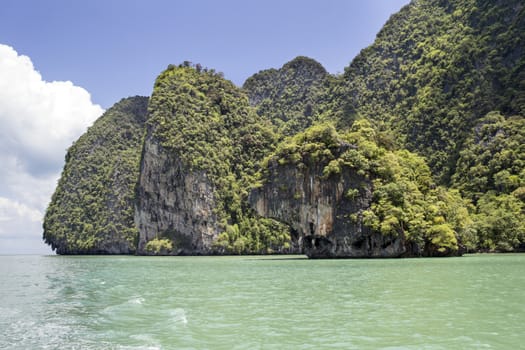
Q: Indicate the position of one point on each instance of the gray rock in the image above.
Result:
(327, 222)
(174, 201)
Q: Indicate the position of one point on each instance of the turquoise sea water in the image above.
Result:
(55, 302)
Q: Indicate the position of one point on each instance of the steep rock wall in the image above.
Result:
(174, 202)
(326, 222)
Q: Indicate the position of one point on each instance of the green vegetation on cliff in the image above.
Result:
(290, 96)
(208, 122)
(405, 200)
(491, 172)
(91, 211)
(434, 71)
(432, 115)
(435, 68)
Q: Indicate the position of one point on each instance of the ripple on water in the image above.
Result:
(137, 301)
(29, 333)
(178, 317)
(234, 303)
(129, 309)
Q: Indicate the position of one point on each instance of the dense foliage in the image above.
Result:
(434, 71)
(208, 123)
(432, 113)
(491, 172)
(434, 220)
(289, 96)
(435, 68)
(92, 208)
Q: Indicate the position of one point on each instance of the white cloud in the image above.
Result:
(10, 209)
(39, 121)
(20, 228)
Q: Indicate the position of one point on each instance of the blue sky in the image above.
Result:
(62, 62)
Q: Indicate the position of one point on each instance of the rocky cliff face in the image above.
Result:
(174, 202)
(346, 195)
(200, 154)
(91, 211)
(328, 155)
(320, 213)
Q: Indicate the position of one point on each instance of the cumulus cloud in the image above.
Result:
(39, 121)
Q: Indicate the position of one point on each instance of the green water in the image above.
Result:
(54, 302)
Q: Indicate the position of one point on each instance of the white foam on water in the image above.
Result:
(143, 337)
(7, 312)
(178, 316)
(117, 310)
(32, 334)
(147, 339)
(136, 300)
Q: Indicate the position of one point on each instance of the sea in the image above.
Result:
(268, 302)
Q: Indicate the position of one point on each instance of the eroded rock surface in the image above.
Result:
(326, 222)
(174, 202)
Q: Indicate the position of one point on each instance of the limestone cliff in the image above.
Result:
(174, 202)
(436, 68)
(201, 152)
(91, 211)
(319, 211)
(328, 155)
(346, 195)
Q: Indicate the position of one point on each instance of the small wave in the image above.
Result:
(136, 300)
(178, 316)
(125, 308)
(148, 341)
(31, 333)
(8, 312)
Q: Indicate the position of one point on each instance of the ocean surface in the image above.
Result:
(117, 302)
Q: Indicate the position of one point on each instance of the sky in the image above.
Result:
(63, 62)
